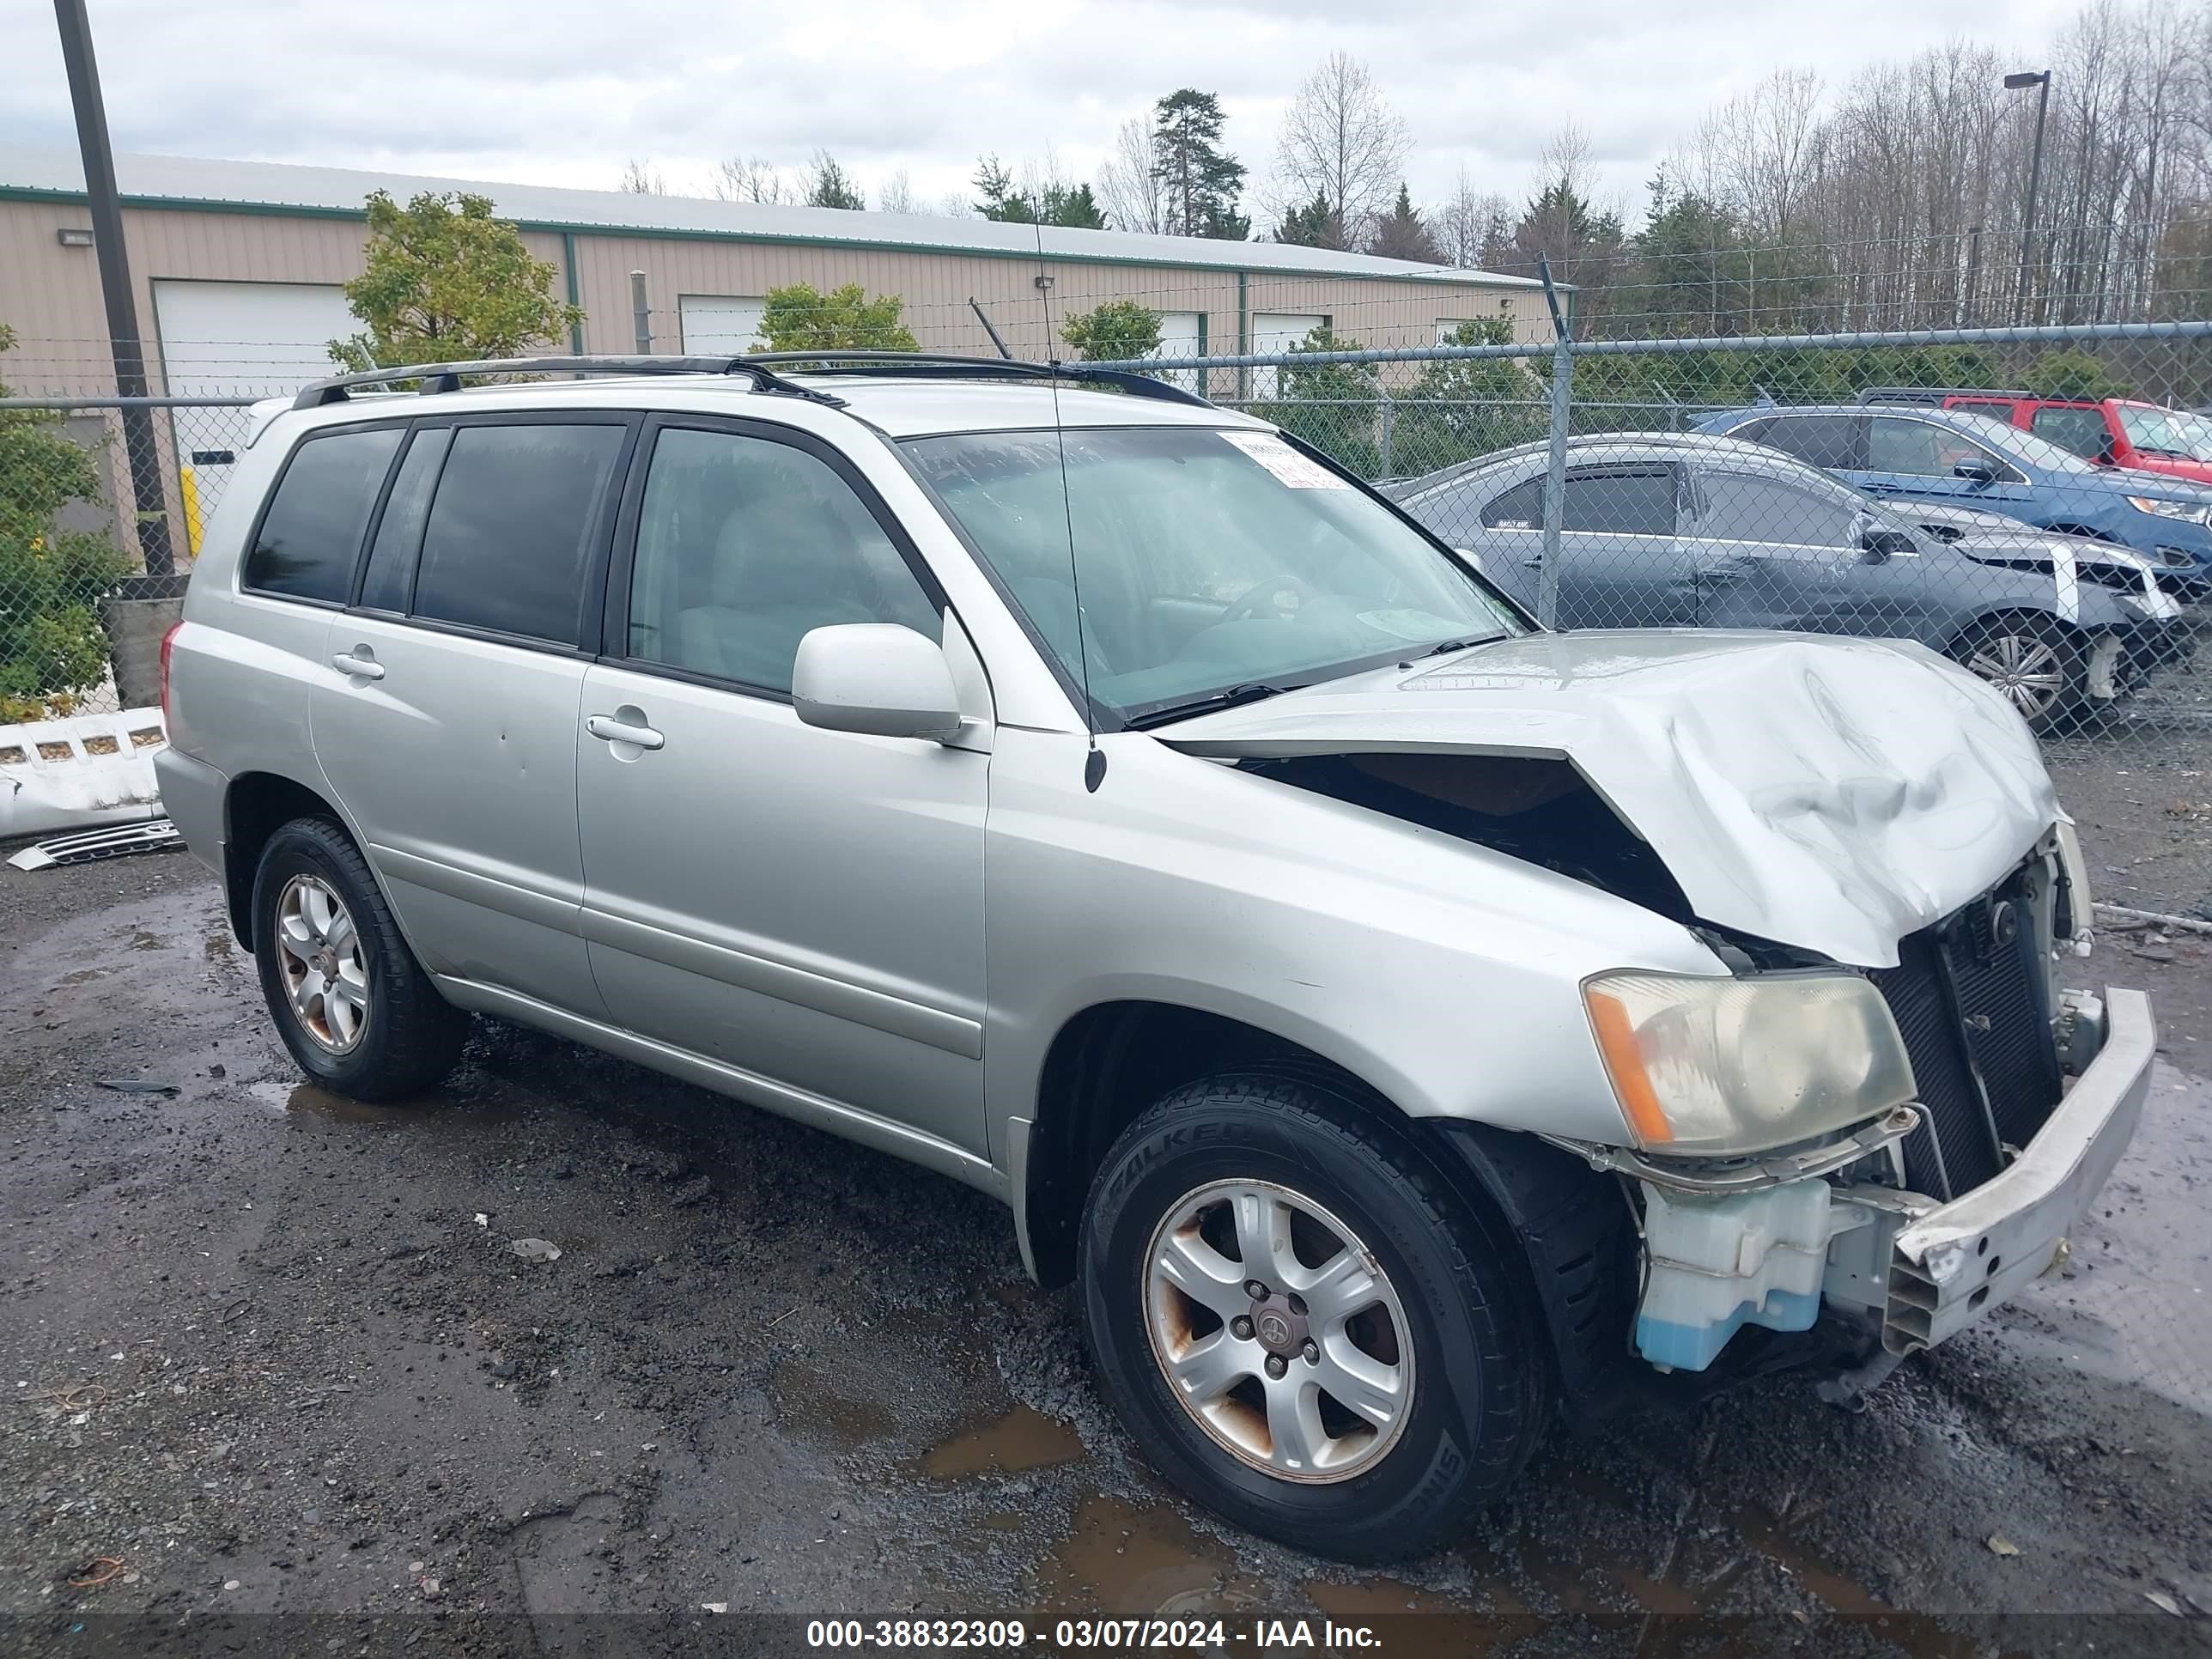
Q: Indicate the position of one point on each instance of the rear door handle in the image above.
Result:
(358, 665)
(619, 731)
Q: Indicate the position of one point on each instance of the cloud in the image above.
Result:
(563, 91)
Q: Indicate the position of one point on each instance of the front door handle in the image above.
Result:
(620, 731)
(358, 663)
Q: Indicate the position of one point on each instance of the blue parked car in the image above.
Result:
(1951, 458)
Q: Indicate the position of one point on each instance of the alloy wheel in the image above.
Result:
(1278, 1330)
(318, 958)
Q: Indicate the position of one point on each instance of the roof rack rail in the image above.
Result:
(1932, 394)
(953, 366)
(448, 377)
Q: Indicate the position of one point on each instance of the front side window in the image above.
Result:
(509, 535)
(1161, 565)
(311, 534)
(1920, 449)
(745, 545)
(1748, 507)
(2080, 431)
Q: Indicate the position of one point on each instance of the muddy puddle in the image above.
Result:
(1124, 1562)
(1023, 1438)
(309, 1102)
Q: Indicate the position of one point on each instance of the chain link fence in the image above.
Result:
(103, 503)
(2032, 502)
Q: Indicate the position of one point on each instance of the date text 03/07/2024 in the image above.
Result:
(1121, 1635)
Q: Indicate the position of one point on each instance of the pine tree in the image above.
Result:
(1401, 235)
(1199, 181)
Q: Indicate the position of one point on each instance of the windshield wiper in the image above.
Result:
(1234, 697)
(1449, 646)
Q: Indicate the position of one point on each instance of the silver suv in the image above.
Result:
(1404, 1025)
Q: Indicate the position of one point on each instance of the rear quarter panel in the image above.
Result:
(242, 666)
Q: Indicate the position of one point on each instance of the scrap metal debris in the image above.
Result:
(84, 846)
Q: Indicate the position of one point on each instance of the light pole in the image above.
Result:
(2020, 82)
(149, 494)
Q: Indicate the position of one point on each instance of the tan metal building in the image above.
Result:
(238, 266)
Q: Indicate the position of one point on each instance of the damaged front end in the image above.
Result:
(1913, 1224)
(1884, 1115)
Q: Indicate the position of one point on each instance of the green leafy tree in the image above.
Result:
(1335, 407)
(2074, 374)
(1468, 406)
(1055, 202)
(445, 281)
(1401, 234)
(51, 645)
(828, 185)
(1317, 224)
(1115, 331)
(800, 318)
(1199, 181)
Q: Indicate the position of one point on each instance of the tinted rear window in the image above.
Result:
(510, 534)
(1625, 503)
(310, 534)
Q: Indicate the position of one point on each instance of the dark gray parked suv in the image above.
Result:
(1687, 531)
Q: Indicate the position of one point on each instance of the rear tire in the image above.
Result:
(1423, 1327)
(350, 999)
(2036, 664)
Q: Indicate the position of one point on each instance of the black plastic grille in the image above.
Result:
(1992, 1015)
(1936, 1044)
(1998, 983)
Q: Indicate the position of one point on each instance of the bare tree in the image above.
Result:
(1341, 142)
(1129, 188)
(750, 179)
(642, 179)
(1468, 220)
(896, 195)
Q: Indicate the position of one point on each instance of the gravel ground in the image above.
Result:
(280, 1383)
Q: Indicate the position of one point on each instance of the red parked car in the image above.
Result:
(2110, 431)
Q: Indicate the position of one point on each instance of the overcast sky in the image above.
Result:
(563, 91)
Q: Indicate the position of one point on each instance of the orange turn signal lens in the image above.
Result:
(1623, 1061)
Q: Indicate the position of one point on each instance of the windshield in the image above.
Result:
(1210, 561)
(2166, 432)
(2020, 445)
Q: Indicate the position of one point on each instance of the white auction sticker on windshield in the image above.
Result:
(1288, 466)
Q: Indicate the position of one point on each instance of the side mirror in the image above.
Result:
(1975, 468)
(880, 679)
(1879, 546)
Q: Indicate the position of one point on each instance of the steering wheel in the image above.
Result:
(1266, 598)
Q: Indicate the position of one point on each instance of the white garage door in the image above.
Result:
(1277, 331)
(714, 324)
(1179, 337)
(246, 339)
(237, 340)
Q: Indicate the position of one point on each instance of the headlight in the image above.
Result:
(1705, 1066)
(2181, 510)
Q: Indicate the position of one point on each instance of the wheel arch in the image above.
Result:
(1573, 1225)
(255, 806)
(2001, 613)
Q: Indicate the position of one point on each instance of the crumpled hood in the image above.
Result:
(1833, 794)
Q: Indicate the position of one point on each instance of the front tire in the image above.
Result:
(350, 999)
(2037, 664)
(1385, 1388)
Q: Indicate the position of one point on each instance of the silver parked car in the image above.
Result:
(1405, 1026)
(1689, 531)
